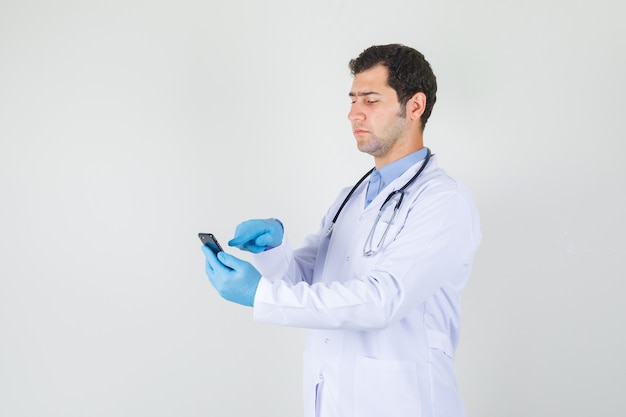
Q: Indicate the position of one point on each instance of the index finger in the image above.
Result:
(240, 240)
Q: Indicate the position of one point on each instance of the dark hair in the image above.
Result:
(409, 72)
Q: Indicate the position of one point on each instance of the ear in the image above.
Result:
(416, 106)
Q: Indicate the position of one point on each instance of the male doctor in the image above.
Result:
(379, 284)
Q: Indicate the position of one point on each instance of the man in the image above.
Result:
(379, 284)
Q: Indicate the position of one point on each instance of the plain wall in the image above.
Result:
(127, 127)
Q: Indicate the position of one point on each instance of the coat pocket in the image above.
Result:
(386, 388)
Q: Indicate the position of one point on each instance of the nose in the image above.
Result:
(356, 113)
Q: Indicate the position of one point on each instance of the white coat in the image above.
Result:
(384, 328)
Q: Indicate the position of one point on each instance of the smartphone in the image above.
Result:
(209, 240)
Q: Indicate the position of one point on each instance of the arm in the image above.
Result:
(435, 247)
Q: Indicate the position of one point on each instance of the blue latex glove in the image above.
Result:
(234, 279)
(258, 235)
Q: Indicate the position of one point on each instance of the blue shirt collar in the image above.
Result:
(391, 171)
(380, 178)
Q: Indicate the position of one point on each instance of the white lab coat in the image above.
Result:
(383, 329)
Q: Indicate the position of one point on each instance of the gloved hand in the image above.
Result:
(258, 235)
(234, 279)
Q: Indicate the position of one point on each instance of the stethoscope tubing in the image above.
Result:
(389, 197)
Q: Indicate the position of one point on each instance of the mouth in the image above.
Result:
(359, 131)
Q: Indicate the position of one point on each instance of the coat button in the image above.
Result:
(326, 340)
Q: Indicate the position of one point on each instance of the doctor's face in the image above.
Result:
(378, 122)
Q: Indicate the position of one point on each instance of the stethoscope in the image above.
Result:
(394, 198)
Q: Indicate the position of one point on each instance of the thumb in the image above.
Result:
(264, 240)
(229, 260)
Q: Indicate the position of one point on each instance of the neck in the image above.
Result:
(396, 153)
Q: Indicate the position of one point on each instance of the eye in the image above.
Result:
(372, 101)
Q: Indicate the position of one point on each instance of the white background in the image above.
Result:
(127, 127)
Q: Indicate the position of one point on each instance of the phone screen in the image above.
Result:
(211, 242)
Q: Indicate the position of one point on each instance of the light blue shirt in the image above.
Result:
(381, 177)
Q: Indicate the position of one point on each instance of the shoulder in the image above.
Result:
(437, 186)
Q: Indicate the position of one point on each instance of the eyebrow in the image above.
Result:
(364, 93)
